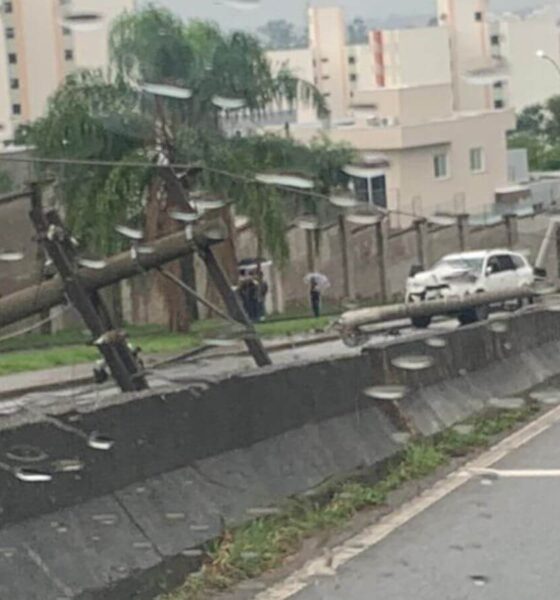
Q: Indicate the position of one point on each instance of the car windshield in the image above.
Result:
(474, 264)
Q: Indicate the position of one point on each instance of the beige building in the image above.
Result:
(516, 40)
(37, 51)
(404, 99)
(435, 160)
(91, 48)
(467, 25)
(416, 56)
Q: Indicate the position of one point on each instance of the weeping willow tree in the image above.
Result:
(115, 117)
(271, 210)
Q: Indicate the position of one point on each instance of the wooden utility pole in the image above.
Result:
(80, 286)
(233, 305)
(32, 300)
(113, 346)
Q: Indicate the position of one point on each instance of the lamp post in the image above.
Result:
(544, 56)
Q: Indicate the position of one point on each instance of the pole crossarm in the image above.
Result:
(34, 299)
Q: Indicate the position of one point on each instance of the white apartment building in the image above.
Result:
(37, 51)
(516, 40)
(406, 99)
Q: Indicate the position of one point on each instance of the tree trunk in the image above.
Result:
(188, 275)
(158, 224)
(116, 306)
(226, 256)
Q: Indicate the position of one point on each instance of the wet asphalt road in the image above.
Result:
(484, 541)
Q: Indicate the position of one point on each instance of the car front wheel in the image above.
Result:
(421, 322)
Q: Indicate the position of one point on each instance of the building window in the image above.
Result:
(353, 77)
(352, 60)
(495, 40)
(478, 16)
(499, 85)
(326, 77)
(498, 104)
(12, 58)
(10, 33)
(16, 109)
(8, 8)
(324, 60)
(441, 167)
(477, 160)
(66, 31)
(327, 95)
(68, 55)
(14, 84)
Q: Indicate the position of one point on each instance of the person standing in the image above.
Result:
(244, 293)
(315, 296)
(262, 290)
(252, 298)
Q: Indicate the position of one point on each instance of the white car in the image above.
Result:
(459, 275)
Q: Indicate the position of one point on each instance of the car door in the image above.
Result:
(500, 273)
(524, 271)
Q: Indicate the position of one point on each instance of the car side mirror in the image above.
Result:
(540, 272)
(415, 269)
(489, 271)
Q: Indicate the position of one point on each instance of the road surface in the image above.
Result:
(488, 539)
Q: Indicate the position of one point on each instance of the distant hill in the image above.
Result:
(400, 21)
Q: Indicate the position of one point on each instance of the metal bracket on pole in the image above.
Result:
(233, 305)
(112, 344)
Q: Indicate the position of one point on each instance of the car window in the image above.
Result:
(493, 264)
(518, 261)
(505, 262)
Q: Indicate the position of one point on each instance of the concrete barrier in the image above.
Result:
(120, 523)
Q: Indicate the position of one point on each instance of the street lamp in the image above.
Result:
(544, 56)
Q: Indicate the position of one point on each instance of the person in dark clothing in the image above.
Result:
(244, 285)
(262, 292)
(315, 297)
(252, 299)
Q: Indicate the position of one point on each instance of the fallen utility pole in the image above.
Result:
(34, 299)
(56, 241)
(46, 295)
(233, 306)
(350, 322)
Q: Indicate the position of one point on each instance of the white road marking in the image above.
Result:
(374, 534)
(518, 473)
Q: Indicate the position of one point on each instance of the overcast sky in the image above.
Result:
(294, 10)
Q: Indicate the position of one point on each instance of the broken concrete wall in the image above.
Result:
(122, 523)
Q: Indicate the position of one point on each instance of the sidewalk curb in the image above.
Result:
(45, 387)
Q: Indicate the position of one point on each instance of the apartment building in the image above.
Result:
(37, 51)
(516, 40)
(421, 100)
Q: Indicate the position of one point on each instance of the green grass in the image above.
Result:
(263, 544)
(20, 362)
(34, 352)
(293, 327)
(58, 356)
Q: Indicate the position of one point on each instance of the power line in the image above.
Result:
(183, 166)
(36, 325)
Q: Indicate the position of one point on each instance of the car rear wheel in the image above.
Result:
(421, 322)
(473, 315)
